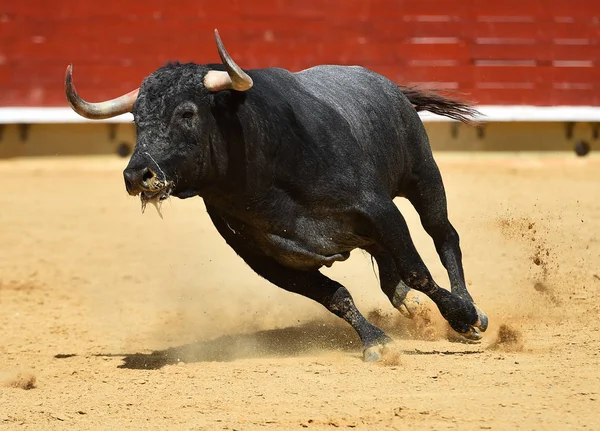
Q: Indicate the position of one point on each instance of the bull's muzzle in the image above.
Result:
(138, 180)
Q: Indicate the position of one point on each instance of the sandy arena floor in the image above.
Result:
(111, 319)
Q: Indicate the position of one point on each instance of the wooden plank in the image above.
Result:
(512, 30)
(508, 96)
(574, 8)
(423, 29)
(538, 53)
(282, 29)
(571, 74)
(540, 77)
(540, 9)
(575, 97)
(424, 8)
(359, 10)
(84, 76)
(511, 8)
(459, 52)
(507, 52)
(352, 52)
(62, 46)
(115, 29)
(461, 75)
(544, 31)
(508, 75)
(387, 29)
(577, 29)
(66, 9)
(294, 55)
(279, 9)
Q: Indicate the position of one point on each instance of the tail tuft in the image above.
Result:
(433, 101)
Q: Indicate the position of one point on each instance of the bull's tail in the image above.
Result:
(433, 101)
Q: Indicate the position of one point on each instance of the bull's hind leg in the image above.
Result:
(390, 233)
(312, 284)
(428, 197)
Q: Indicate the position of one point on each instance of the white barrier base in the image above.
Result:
(491, 113)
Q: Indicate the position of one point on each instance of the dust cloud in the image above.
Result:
(508, 339)
(18, 379)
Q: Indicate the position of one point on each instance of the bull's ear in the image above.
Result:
(216, 80)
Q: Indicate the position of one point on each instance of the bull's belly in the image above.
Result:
(305, 242)
(295, 253)
(310, 243)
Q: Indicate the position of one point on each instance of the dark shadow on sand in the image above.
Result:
(302, 340)
(286, 342)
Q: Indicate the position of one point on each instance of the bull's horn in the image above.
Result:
(234, 79)
(101, 110)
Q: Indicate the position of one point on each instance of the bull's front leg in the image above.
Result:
(329, 293)
(309, 283)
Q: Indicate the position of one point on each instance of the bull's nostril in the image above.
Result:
(129, 179)
(129, 182)
(147, 175)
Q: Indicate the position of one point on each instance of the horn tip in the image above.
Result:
(69, 74)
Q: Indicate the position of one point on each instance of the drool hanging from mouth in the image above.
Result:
(156, 198)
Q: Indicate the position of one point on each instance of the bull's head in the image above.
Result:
(172, 114)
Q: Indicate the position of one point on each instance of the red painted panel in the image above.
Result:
(550, 48)
(572, 8)
(462, 75)
(422, 8)
(512, 8)
(543, 54)
(539, 31)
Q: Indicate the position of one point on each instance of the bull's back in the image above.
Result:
(386, 128)
(356, 93)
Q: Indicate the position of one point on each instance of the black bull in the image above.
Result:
(297, 170)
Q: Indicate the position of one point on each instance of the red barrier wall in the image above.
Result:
(539, 52)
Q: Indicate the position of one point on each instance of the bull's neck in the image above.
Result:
(242, 141)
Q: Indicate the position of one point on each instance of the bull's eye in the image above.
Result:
(186, 115)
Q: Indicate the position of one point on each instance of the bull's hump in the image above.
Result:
(367, 101)
(344, 77)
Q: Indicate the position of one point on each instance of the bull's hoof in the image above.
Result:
(474, 333)
(482, 321)
(372, 354)
(387, 353)
(410, 306)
